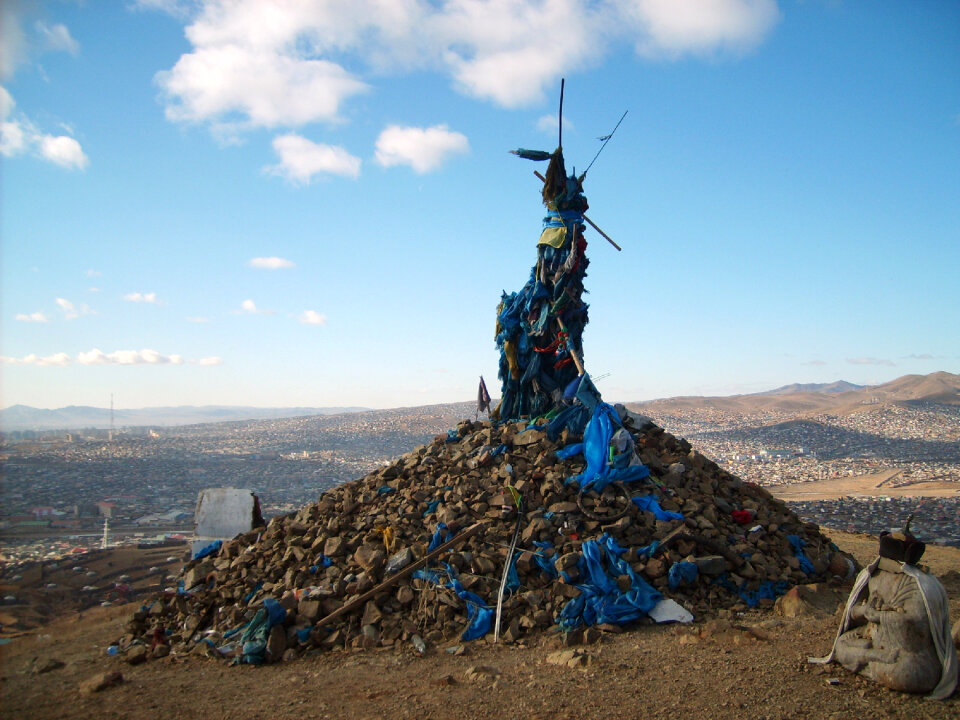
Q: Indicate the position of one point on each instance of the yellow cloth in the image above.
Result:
(553, 236)
(510, 350)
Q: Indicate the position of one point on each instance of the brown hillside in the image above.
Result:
(741, 666)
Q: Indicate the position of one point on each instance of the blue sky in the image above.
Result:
(311, 203)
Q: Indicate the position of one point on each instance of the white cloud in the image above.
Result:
(136, 297)
(423, 149)
(93, 273)
(236, 84)
(269, 263)
(37, 317)
(58, 359)
(302, 159)
(921, 356)
(118, 357)
(71, 311)
(312, 317)
(673, 27)
(64, 151)
(127, 357)
(250, 307)
(287, 64)
(18, 135)
(57, 37)
(198, 319)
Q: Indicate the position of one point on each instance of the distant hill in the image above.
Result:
(836, 397)
(840, 386)
(938, 387)
(24, 417)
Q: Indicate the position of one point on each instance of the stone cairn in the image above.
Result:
(325, 559)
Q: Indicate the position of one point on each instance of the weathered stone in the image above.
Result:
(49, 664)
(655, 568)
(817, 599)
(369, 557)
(334, 547)
(100, 682)
(309, 610)
(276, 643)
(137, 654)
(711, 565)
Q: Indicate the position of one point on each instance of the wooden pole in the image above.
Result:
(573, 353)
(592, 223)
(402, 574)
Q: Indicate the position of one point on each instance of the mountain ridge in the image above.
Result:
(836, 397)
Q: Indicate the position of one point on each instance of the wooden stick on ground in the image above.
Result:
(406, 572)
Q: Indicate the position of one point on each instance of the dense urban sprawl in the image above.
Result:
(60, 488)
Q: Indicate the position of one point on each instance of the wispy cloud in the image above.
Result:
(197, 319)
(118, 357)
(128, 357)
(71, 311)
(93, 273)
(922, 356)
(301, 160)
(249, 307)
(423, 149)
(57, 37)
(135, 297)
(270, 263)
(870, 361)
(312, 317)
(58, 359)
(36, 317)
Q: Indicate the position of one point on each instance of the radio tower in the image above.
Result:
(105, 542)
(110, 436)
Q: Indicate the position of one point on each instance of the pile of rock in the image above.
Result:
(329, 555)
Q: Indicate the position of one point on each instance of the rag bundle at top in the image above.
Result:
(540, 328)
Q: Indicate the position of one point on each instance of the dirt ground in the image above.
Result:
(862, 485)
(751, 666)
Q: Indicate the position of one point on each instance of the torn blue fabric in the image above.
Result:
(651, 504)
(601, 600)
(570, 451)
(479, 615)
(682, 573)
(596, 450)
(210, 549)
(257, 632)
(573, 418)
(767, 590)
(431, 507)
(440, 536)
(544, 563)
(798, 544)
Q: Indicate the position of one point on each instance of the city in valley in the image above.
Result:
(862, 460)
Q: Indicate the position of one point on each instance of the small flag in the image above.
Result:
(483, 397)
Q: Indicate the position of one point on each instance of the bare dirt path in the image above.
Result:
(711, 670)
(864, 485)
